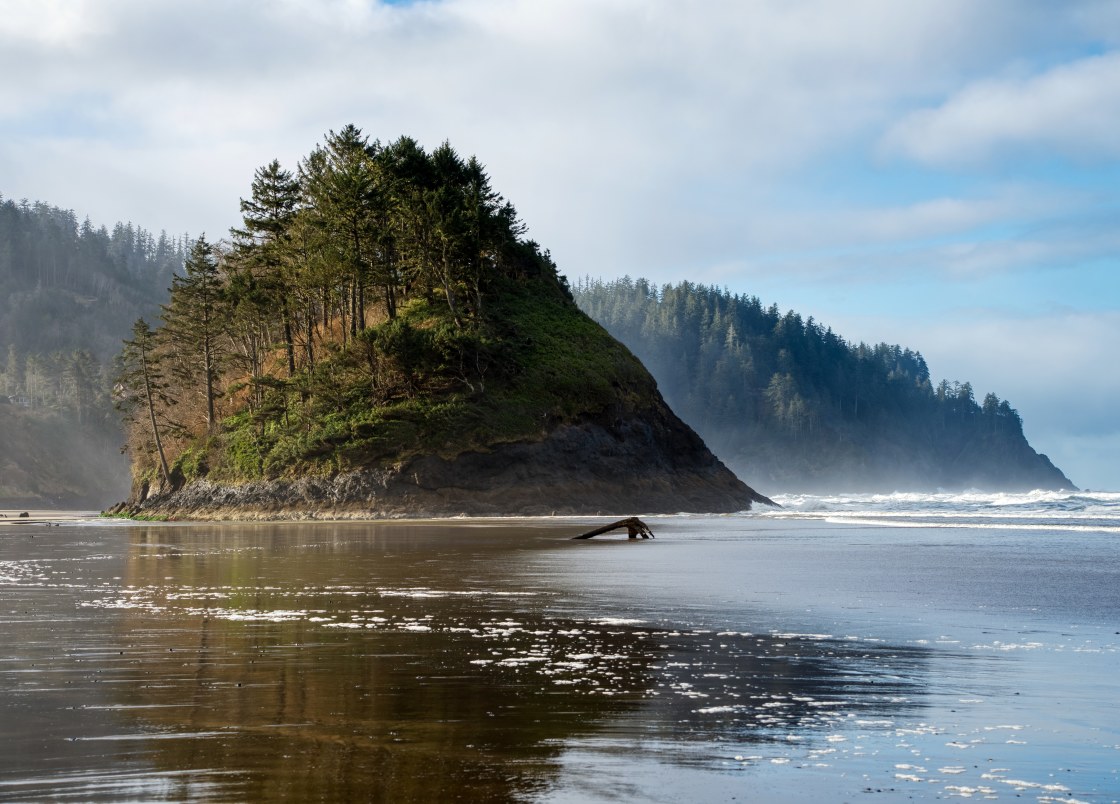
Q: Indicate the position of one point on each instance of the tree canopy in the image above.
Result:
(373, 302)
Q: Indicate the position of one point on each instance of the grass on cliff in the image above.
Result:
(421, 385)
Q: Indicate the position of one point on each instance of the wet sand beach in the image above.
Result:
(730, 659)
(41, 516)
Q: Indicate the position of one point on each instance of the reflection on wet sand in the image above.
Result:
(390, 662)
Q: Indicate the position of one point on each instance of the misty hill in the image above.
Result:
(66, 285)
(68, 295)
(794, 406)
(380, 339)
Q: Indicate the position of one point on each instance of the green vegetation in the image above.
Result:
(788, 399)
(380, 304)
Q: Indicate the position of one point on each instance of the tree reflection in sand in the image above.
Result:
(400, 662)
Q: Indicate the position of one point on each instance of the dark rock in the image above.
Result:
(648, 462)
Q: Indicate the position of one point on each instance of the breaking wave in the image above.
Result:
(1039, 509)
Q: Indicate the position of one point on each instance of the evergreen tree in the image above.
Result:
(340, 185)
(195, 323)
(142, 384)
(262, 249)
(786, 396)
(13, 371)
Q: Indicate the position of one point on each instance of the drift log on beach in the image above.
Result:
(634, 527)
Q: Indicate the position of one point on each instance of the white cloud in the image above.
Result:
(1071, 109)
(614, 103)
(871, 226)
(635, 135)
(648, 137)
(53, 23)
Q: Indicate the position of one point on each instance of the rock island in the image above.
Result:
(380, 338)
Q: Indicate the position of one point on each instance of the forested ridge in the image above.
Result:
(378, 303)
(68, 294)
(789, 400)
(381, 302)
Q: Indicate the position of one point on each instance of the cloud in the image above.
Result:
(870, 226)
(1041, 355)
(1052, 369)
(578, 107)
(732, 142)
(970, 257)
(51, 23)
(640, 137)
(1070, 109)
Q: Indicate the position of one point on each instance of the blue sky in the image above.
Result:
(941, 174)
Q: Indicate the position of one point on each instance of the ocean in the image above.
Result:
(1051, 511)
(890, 647)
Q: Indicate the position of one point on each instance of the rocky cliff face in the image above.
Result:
(644, 462)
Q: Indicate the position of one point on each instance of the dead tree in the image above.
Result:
(634, 527)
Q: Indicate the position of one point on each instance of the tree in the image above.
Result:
(407, 175)
(81, 374)
(14, 371)
(141, 385)
(491, 226)
(340, 186)
(261, 247)
(195, 322)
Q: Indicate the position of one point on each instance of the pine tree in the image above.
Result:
(141, 383)
(341, 188)
(195, 323)
(261, 247)
(14, 371)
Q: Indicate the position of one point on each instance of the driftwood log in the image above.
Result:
(634, 527)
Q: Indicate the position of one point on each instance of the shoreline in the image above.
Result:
(1033, 510)
(40, 516)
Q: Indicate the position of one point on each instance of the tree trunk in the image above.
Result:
(634, 528)
(152, 417)
(291, 347)
(390, 301)
(310, 337)
(361, 305)
(208, 368)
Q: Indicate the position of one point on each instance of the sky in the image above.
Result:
(940, 174)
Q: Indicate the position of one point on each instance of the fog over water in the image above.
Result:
(749, 656)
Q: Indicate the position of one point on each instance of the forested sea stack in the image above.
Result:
(380, 339)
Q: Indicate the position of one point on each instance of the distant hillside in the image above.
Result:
(66, 285)
(69, 293)
(792, 405)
